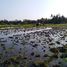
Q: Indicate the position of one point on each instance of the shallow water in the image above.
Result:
(32, 45)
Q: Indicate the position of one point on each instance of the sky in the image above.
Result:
(31, 9)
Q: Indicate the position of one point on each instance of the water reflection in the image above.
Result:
(33, 44)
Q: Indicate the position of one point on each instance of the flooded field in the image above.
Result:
(33, 47)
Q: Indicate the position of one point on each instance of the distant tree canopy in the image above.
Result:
(55, 19)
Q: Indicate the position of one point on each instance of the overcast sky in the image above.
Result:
(31, 9)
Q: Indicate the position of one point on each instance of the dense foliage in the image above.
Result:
(55, 19)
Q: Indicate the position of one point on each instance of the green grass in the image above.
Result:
(65, 59)
(33, 25)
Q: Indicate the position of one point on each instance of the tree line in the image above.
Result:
(55, 19)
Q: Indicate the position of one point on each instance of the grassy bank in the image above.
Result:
(5, 26)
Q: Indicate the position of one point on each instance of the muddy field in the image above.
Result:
(37, 47)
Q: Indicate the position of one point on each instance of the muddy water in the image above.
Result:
(32, 45)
